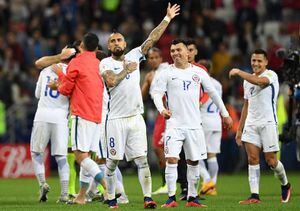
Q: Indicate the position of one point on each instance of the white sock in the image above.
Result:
(144, 175)
(203, 172)
(119, 175)
(39, 167)
(254, 176)
(63, 172)
(119, 185)
(213, 168)
(171, 175)
(280, 173)
(93, 187)
(192, 178)
(84, 178)
(111, 166)
(92, 168)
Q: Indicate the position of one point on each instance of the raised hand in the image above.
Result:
(173, 10)
(129, 66)
(234, 72)
(67, 53)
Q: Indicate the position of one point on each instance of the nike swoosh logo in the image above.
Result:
(271, 146)
(116, 68)
(203, 154)
(173, 78)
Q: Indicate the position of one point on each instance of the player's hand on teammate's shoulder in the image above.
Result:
(129, 66)
(234, 72)
(173, 10)
(238, 138)
(166, 114)
(227, 122)
(67, 53)
(56, 68)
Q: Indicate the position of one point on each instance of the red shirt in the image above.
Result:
(84, 85)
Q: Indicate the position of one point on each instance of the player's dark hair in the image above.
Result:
(191, 41)
(90, 41)
(260, 51)
(100, 54)
(75, 46)
(177, 41)
(154, 49)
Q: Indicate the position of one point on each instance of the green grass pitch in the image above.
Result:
(22, 194)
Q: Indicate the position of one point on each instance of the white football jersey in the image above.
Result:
(211, 118)
(53, 107)
(125, 99)
(262, 101)
(182, 88)
(161, 67)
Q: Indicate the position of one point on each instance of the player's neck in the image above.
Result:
(182, 65)
(119, 58)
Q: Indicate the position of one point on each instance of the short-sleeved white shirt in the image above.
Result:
(262, 100)
(53, 107)
(125, 99)
(182, 88)
(210, 114)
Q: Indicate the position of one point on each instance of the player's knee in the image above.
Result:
(111, 166)
(36, 154)
(172, 160)
(100, 161)
(253, 159)
(61, 160)
(272, 162)
(141, 162)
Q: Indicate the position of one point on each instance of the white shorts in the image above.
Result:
(126, 136)
(192, 141)
(85, 136)
(263, 136)
(213, 141)
(42, 132)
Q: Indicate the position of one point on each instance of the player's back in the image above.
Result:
(53, 107)
(125, 99)
(262, 101)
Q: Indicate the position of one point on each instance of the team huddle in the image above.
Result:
(97, 104)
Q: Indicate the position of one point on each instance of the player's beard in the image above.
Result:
(118, 52)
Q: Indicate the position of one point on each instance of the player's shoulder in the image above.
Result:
(46, 70)
(216, 82)
(269, 73)
(105, 60)
(202, 67)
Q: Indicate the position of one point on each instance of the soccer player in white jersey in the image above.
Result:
(156, 65)
(212, 127)
(126, 130)
(50, 122)
(258, 124)
(181, 83)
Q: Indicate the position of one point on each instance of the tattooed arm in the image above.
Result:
(159, 30)
(113, 79)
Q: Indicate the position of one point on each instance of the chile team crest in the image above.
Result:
(196, 78)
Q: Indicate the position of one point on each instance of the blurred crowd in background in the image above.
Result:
(226, 32)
